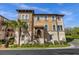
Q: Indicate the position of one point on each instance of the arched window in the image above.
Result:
(26, 16)
(38, 18)
(53, 18)
(53, 27)
(22, 16)
(59, 18)
(46, 27)
(46, 17)
(59, 28)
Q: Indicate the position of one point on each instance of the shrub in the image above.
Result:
(11, 40)
(56, 43)
(14, 46)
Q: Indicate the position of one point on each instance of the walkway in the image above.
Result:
(75, 43)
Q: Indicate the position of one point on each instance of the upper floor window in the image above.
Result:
(59, 28)
(53, 17)
(22, 16)
(46, 27)
(59, 18)
(38, 18)
(26, 16)
(54, 27)
(46, 17)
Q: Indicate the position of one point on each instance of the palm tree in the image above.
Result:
(7, 24)
(15, 25)
(21, 25)
(12, 24)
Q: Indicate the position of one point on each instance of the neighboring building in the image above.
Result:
(2, 30)
(43, 27)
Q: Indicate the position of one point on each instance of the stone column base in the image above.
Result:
(41, 40)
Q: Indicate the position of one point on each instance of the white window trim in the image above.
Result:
(52, 27)
(47, 17)
(47, 26)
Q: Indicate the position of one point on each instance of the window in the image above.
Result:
(46, 17)
(26, 17)
(53, 18)
(59, 17)
(59, 28)
(54, 27)
(22, 17)
(41, 17)
(38, 18)
(22, 37)
(46, 27)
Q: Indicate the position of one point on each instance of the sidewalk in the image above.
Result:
(70, 47)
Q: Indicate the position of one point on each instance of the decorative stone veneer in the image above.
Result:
(55, 36)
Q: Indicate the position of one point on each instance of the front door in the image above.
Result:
(39, 34)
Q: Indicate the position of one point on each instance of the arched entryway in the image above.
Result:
(39, 34)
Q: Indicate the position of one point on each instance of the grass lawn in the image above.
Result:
(40, 46)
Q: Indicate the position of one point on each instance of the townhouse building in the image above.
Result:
(43, 27)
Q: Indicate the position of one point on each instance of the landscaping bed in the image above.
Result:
(39, 46)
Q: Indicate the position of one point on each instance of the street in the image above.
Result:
(73, 50)
(41, 52)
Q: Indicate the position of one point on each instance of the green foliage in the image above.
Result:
(56, 42)
(11, 41)
(13, 46)
(46, 45)
(2, 41)
(72, 33)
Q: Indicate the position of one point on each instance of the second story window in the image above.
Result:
(46, 27)
(53, 18)
(53, 27)
(26, 17)
(59, 18)
(59, 28)
(38, 18)
(46, 17)
(22, 17)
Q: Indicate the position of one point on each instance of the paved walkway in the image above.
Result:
(75, 43)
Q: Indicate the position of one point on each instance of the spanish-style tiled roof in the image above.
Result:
(23, 10)
(3, 17)
(49, 14)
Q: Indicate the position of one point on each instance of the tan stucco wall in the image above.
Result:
(50, 24)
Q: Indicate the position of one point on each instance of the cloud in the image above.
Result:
(66, 12)
(8, 14)
(24, 6)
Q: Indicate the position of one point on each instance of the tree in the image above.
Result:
(21, 25)
(7, 24)
(72, 32)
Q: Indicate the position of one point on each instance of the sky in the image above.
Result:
(70, 11)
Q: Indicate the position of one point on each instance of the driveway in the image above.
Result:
(75, 43)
